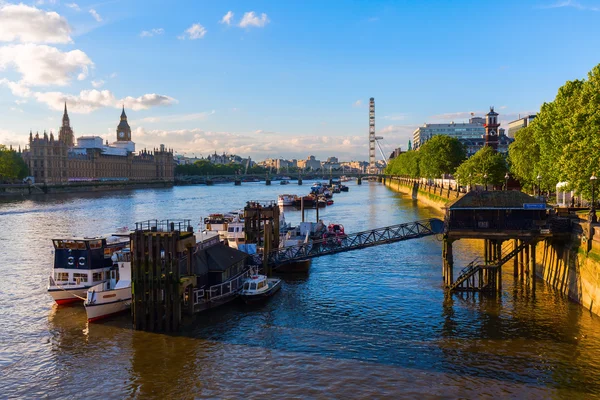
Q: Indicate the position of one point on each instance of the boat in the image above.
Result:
(259, 288)
(336, 189)
(217, 222)
(114, 295)
(335, 234)
(327, 193)
(329, 202)
(309, 201)
(286, 200)
(344, 188)
(344, 178)
(284, 182)
(235, 234)
(80, 263)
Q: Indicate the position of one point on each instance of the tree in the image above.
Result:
(12, 165)
(406, 164)
(484, 167)
(441, 155)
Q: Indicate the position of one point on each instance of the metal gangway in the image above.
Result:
(353, 241)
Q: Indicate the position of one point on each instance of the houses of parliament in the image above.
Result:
(61, 161)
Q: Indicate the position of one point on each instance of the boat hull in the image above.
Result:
(295, 266)
(108, 303)
(260, 297)
(68, 296)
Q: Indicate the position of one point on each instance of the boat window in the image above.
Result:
(246, 286)
(62, 276)
(81, 245)
(253, 286)
(82, 277)
(230, 230)
(58, 244)
(70, 244)
(95, 244)
(261, 284)
(97, 276)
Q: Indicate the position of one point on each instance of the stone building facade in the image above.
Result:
(59, 161)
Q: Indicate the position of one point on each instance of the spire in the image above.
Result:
(123, 115)
(65, 107)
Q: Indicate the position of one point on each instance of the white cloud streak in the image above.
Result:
(196, 31)
(73, 6)
(152, 32)
(96, 16)
(227, 18)
(98, 83)
(250, 19)
(26, 24)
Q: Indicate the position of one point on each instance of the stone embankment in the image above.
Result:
(419, 189)
(19, 191)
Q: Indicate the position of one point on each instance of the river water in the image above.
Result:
(372, 323)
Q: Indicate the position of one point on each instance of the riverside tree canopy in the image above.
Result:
(562, 143)
(12, 165)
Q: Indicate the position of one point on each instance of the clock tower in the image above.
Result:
(123, 129)
(491, 129)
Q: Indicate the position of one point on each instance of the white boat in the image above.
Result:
(235, 234)
(113, 296)
(259, 288)
(284, 200)
(80, 263)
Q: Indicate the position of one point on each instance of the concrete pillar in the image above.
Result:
(526, 262)
(449, 263)
(532, 267)
(499, 269)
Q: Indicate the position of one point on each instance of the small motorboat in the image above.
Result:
(284, 182)
(259, 288)
(329, 202)
(344, 188)
(321, 202)
(286, 199)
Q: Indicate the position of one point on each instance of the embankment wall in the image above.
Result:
(18, 191)
(431, 195)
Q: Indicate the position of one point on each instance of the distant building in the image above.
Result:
(332, 159)
(471, 134)
(59, 161)
(396, 153)
(520, 123)
(310, 164)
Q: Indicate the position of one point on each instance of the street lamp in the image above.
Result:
(470, 183)
(485, 181)
(593, 218)
(539, 178)
(456, 179)
(506, 181)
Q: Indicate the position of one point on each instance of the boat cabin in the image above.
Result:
(76, 258)
(256, 283)
(218, 264)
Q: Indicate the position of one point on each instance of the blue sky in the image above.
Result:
(283, 79)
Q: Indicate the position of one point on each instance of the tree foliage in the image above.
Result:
(441, 155)
(12, 165)
(562, 142)
(406, 164)
(205, 167)
(484, 167)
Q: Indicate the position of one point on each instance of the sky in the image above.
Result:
(271, 79)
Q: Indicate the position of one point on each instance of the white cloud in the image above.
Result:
(113, 75)
(456, 116)
(196, 31)
(572, 4)
(152, 32)
(97, 83)
(15, 109)
(44, 65)
(227, 18)
(90, 100)
(250, 19)
(20, 101)
(96, 16)
(17, 88)
(22, 23)
(73, 6)
(357, 103)
(146, 101)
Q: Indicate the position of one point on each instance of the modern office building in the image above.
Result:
(517, 124)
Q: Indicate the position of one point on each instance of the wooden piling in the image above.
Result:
(515, 259)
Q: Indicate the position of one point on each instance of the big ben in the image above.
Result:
(123, 129)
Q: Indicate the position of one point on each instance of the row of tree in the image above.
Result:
(205, 167)
(12, 166)
(444, 155)
(562, 144)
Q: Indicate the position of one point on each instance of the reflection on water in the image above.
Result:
(368, 323)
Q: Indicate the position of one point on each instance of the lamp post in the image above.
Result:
(506, 181)
(593, 219)
(470, 184)
(539, 178)
(485, 181)
(456, 182)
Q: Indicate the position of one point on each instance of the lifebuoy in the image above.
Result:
(82, 261)
(70, 260)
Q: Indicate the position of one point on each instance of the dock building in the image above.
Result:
(61, 161)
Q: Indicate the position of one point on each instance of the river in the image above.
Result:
(371, 323)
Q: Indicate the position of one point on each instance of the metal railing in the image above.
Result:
(154, 225)
(360, 240)
(228, 288)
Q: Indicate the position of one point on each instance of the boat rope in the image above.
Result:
(73, 294)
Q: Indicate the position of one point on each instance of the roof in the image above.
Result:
(220, 257)
(497, 199)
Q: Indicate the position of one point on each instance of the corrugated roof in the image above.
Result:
(220, 257)
(493, 199)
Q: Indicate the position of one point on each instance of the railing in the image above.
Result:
(181, 225)
(337, 244)
(228, 288)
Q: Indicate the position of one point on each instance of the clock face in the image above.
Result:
(121, 134)
(492, 133)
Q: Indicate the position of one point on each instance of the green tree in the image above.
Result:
(485, 167)
(441, 155)
(406, 164)
(12, 165)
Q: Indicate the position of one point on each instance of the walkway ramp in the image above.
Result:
(354, 241)
(472, 277)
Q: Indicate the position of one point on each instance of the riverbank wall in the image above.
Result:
(19, 191)
(573, 266)
(432, 195)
